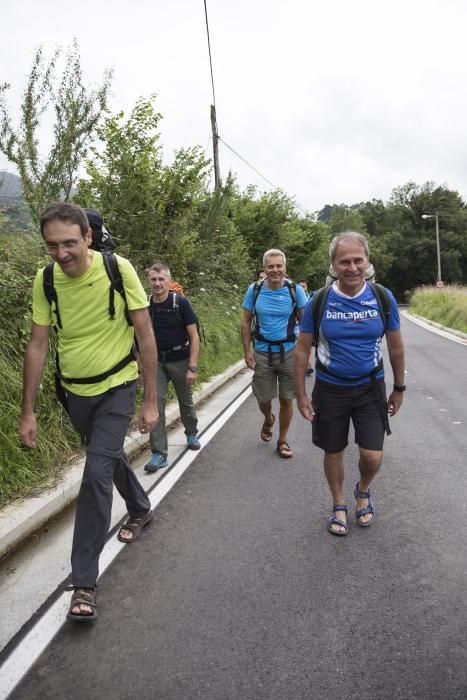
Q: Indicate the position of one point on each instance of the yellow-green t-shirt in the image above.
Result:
(90, 343)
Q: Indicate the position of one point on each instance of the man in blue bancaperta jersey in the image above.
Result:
(349, 324)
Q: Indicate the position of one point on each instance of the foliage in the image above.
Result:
(77, 111)
(21, 256)
(148, 206)
(447, 306)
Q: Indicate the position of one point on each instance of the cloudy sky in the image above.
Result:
(334, 101)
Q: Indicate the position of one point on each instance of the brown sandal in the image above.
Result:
(83, 596)
(283, 449)
(266, 430)
(135, 527)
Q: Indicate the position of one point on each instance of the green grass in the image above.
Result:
(447, 306)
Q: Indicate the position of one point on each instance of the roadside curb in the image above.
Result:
(439, 326)
(23, 517)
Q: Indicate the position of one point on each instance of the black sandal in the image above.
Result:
(83, 596)
(135, 526)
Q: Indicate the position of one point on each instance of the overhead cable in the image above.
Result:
(249, 164)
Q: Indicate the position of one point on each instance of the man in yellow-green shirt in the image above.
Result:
(97, 380)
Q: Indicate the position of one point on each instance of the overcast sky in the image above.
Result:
(334, 101)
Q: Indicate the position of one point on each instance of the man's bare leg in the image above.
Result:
(369, 464)
(334, 473)
(285, 418)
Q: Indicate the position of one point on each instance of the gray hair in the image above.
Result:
(271, 253)
(160, 267)
(351, 236)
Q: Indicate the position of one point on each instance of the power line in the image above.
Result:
(210, 57)
(249, 164)
(258, 172)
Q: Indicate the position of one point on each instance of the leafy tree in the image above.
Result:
(262, 220)
(149, 206)
(76, 114)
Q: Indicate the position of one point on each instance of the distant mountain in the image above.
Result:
(10, 186)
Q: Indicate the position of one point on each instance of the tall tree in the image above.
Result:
(76, 111)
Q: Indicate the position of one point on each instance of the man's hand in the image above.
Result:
(148, 417)
(191, 377)
(28, 430)
(395, 402)
(306, 408)
(250, 360)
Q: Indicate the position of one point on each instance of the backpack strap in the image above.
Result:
(98, 377)
(50, 292)
(255, 330)
(116, 285)
(320, 298)
(384, 302)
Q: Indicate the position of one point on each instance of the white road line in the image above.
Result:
(433, 329)
(31, 647)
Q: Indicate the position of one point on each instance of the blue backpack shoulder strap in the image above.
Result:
(292, 287)
(256, 290)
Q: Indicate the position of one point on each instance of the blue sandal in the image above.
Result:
(369, 510)
(335, 521)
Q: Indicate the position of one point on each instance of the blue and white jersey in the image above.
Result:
(350, 335)
(274, 314)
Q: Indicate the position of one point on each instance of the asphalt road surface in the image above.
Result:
(237, 591)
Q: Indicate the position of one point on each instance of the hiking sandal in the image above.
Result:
(135, 526)
(83, 596)
(336, 521)
(266, 430)
(369, 510)
(284, 450)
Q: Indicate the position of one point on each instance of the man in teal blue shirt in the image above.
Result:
(275, 305)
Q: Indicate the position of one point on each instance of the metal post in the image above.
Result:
(438, 251)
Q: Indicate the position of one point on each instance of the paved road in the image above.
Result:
(237, 591)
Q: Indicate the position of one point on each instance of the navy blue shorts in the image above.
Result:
(336, 405)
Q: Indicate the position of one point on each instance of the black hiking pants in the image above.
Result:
(102, 421)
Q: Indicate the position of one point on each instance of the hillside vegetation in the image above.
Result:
(446, 306)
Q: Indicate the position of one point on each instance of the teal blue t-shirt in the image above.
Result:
(274, 309)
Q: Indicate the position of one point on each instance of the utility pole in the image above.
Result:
(215, 148)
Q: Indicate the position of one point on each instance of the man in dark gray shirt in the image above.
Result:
(175, 328)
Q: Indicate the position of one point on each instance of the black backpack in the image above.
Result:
(116, 285)
(101, 238)
(255, 328)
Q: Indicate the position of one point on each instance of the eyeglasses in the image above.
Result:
(55, 247)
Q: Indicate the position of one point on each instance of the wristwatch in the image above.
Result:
(399, 387)
(193, 368)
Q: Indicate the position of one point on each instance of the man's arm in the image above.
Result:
(34, 360)
(148, 415)
(245, 330)
(396, 358)
(193, 337)
(301, 355)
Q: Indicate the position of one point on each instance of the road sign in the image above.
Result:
(440, 284)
